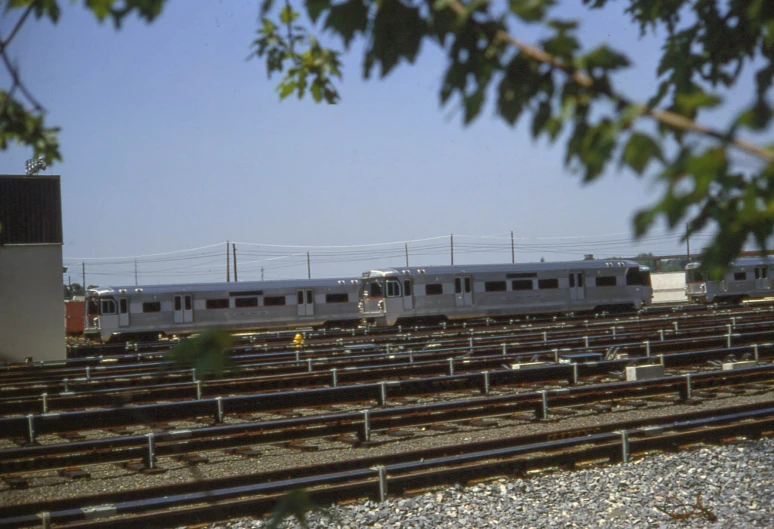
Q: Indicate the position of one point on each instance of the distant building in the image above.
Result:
(31, 308)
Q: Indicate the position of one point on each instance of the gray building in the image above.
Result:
(31, 298)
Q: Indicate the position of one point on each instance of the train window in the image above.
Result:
(108, 306)
(522, 275)
(495, 286)
(393, 288)
(761, 272)
(300, 297)
(435, 289)
(151, 306)
(123, 306)
(580, 280)
(458, 285)
(606, 281)
(245, 302)
(467, 285)
(406, 287)
(309, 297)
(691, 276)
(336, 298)
(178, 303)
(521, 284)
(634, 276)
(375, 289)
(548, 283)
(188, 303)
(221, 303)
(740, 276)
(572, 280)
(273, 301)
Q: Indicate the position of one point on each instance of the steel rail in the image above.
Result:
(315, 375)
(563, 331)
(401, 476)
(538, 401)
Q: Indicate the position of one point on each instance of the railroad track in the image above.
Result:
(357, 428)
(378, 477)
(359, 392)
(636, 342)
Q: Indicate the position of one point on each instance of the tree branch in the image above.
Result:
(666, 117)
(17, 82)
(13, 71)
(17, 27)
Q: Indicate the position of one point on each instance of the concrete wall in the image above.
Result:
(31, 303)
(668, 287)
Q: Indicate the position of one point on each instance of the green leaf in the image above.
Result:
(639, 151)
(757, 117)
(531, 10)
(397, 33)
(287, 15)
(604, 58)
(562, 45)
(541, 118)
(314, 8)
(286, 88)
(347, 19)
(690, 102)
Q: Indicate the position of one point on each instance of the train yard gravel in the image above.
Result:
(709, 487)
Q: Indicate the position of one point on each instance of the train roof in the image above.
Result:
(586, 264)
(236, 286)
(742, 261)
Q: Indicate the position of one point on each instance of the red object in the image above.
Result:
(75, 316)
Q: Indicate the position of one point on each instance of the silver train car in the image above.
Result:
(746, 278)
(149, 312)
(390, 296)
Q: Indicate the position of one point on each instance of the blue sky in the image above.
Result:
(172, 140)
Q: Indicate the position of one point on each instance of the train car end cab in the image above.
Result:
(384, 295)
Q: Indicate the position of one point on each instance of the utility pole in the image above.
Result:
(228, 265)
(406, 245)
(513, 250)
(688, 242)
(233, 248)
(135, 272)
(261, 273)
(451, 238)
(308, 266)
(83, 270)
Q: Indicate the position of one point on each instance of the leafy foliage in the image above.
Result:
(571, 94)
(207, 353)
(21, 115)
(296, 503)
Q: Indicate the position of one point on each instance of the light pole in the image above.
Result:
(33, 167)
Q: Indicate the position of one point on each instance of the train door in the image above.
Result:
(183, 308)
(762, 277)
(123, 312)
(463, 291)
(577, 286)
(408, 295)
(305, 302)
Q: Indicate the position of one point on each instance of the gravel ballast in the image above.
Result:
(733, 484)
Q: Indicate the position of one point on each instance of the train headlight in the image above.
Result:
(381, 305)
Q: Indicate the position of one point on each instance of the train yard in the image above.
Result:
(119, 437)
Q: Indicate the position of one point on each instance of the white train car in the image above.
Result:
(148, 312)
(393, 295)
(746, 278)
